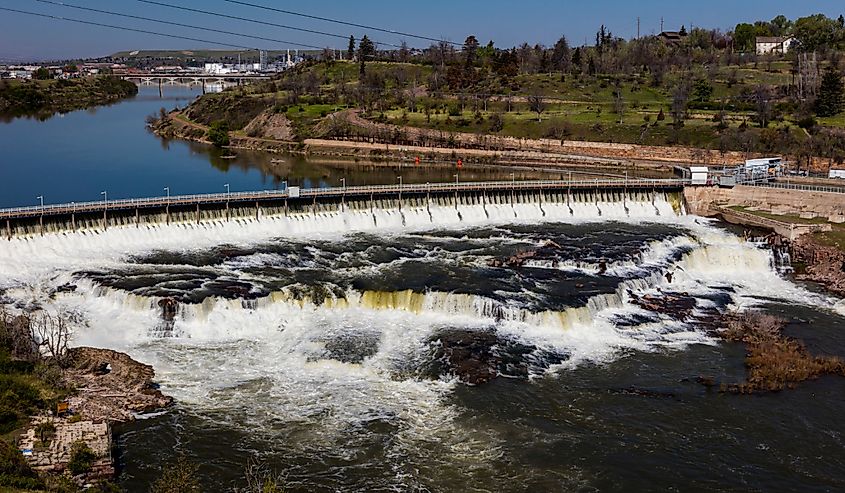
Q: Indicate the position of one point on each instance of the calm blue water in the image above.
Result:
(74, 157)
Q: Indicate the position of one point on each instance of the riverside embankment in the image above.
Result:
(811, 221)
(272, 133)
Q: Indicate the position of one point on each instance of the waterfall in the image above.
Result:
(354, 214)
(28, 251)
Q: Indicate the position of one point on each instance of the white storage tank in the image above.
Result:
(700, 175)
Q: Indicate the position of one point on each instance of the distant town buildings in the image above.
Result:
(263, 66)
(778, 44)
(71, 71)
(68, 71)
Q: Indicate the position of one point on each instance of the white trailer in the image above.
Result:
(837, 173)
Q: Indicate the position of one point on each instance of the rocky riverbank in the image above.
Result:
(273, 134)
(110, 387)
(822, 264)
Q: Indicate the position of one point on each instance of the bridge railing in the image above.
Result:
(802, 187)
(103, 205)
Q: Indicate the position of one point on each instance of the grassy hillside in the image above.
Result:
(747, 107)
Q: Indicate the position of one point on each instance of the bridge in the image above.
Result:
(35, 216)
(196, 77)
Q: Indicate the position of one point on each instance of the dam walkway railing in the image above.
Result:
(103, 206)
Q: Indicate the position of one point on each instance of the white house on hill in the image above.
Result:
(780, 45)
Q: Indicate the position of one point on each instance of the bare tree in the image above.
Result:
(680, 97)
(260, 479)
(763, 104)
(53, 336)
(618, 103)
(537, 103)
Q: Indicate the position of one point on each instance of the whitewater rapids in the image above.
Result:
(327, 353)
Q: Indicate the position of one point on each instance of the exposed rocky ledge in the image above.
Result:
(112, 386)
(823, 264)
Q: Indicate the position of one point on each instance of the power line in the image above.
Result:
(130, 16)
(345, 23)
(245, 19)
(123, 28)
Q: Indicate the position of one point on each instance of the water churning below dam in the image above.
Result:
(363, 346)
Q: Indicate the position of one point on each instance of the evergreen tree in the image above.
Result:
(561, 55)
(350, 52)
(366, 49)
(577, 60)
(831, 94)
(470, 51)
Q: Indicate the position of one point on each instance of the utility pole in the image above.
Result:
(638, 27)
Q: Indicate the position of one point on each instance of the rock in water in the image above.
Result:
(112, 386)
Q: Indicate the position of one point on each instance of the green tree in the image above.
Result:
(577, 60)
(350, 51)
(744, 37)
(366, 49)
(218, 133)
(42, 74)
(780, 25)
(702, 90)
(815, 31)
(831, 94)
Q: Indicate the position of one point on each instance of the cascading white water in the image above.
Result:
(252, 364)
(32, 254)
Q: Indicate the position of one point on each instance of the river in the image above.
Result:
(74, 157)
(353, 354)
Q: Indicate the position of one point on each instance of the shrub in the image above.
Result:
(454, 110)
(218, 134)
(496, 123)
(81, 458)
(14, 471)
(18, 399)
(45, 431)
(807, 122)
(179, 477)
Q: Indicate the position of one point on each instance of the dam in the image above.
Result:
(387, 320)
(242, 206)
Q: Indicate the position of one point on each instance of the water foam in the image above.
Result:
(252, 364)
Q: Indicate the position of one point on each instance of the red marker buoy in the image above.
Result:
(417, 160)
(460, 163)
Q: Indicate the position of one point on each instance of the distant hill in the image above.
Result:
(203, 54)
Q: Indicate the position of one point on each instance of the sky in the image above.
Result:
(506, 22)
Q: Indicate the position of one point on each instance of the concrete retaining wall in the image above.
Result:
(705, 201)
